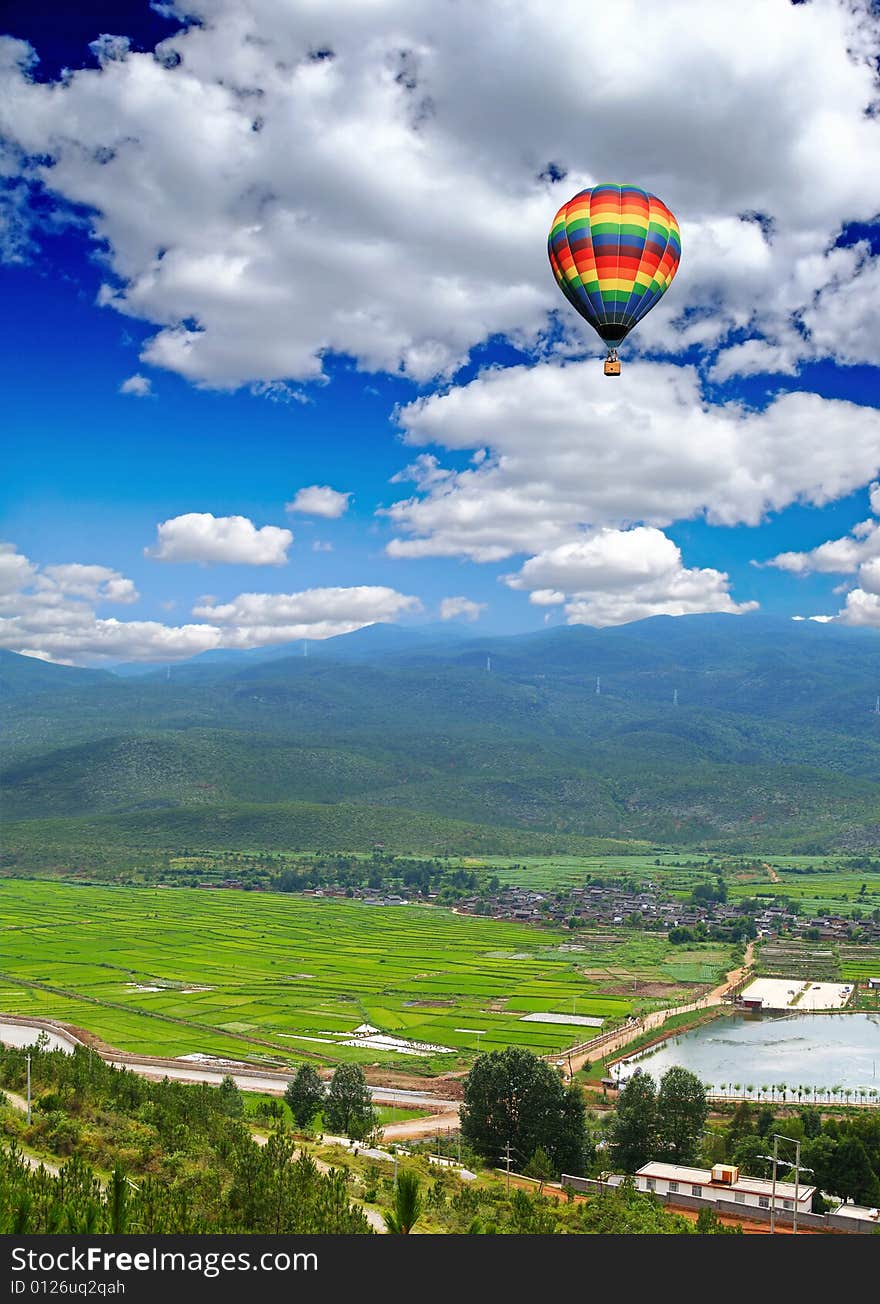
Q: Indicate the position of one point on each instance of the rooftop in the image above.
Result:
(703, 1177)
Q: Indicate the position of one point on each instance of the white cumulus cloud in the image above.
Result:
(281, 181)
(203, 537)
(137, 385)
(451, 608)
(319, 500)
(610, 577)
(95, 583)
(15, 570)
(255, 618)
(567, 452)
(836, 557)
(49, 613)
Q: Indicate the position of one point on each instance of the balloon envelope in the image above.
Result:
(614, 250)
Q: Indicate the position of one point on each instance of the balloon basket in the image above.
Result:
(612, 367)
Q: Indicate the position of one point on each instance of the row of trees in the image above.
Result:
(780, 1091)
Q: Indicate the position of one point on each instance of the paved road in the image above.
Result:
(274, 1083)
(24, 1032)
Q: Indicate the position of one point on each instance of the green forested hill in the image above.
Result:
(773, 741)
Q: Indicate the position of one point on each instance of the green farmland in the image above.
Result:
(814, 882)
(834, 888)
(278, 978)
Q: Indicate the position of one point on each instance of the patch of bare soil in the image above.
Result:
(447, 1086)
(651, 990)
(89, 1039)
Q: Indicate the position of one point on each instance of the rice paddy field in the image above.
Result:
(546, 873)
(834, 889)
(270, 978)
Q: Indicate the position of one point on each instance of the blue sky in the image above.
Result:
(224, 284)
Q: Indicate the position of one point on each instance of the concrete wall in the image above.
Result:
(827, 1222)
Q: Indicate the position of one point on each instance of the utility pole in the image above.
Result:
(507, 1157)
(798, 1168)
(797, 1177)
(29, 1090)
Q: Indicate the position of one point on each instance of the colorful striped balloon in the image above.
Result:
(614, 251)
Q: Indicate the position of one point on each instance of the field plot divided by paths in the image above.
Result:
(274, 978)
(814, 881)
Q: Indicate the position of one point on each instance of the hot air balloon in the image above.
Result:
(614, 250)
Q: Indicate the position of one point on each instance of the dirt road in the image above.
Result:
(657, 1018)
(19, 1102)
(433, 1125)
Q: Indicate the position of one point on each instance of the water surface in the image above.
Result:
(821, 1050)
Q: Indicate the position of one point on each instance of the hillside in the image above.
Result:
(772, 743)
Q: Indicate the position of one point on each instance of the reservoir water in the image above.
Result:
(764, 1050)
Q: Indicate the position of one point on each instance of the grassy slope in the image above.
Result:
(772, 745)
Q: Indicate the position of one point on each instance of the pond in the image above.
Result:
(765, 1050)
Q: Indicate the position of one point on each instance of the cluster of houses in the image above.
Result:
(648, 907)
(829, 928)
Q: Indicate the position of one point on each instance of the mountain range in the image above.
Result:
(729, 732)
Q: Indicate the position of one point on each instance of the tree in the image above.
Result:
(749, 1155)
(407, 1205)
(851, 1176)
(634, 1126)
(513, 1098)
(539, 1167)
(682, 1110)
(742, 1124)
(305, 1095)
(709, 1224)
(348, 1108)
(765, 1120)
(231, 1099)
(812, 1121)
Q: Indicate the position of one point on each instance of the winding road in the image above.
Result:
(16, 1031)
(657, 1018)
